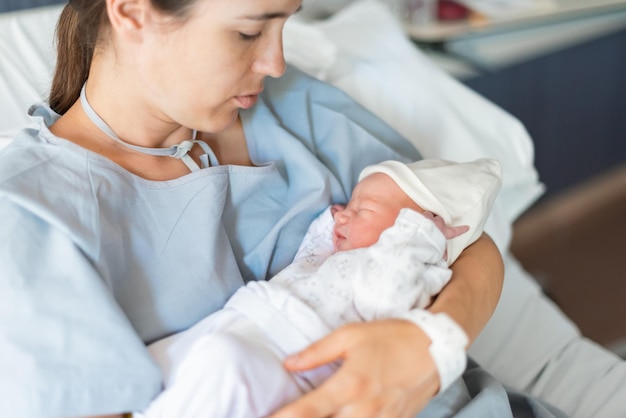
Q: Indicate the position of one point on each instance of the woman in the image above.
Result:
(119, 244)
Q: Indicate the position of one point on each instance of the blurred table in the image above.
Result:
(479, 45)
(546, 12)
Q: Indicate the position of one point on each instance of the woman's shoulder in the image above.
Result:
(26, 153)
(41, 178)
(31, 152)
(35, 180)
(26, 144)
(36, 158)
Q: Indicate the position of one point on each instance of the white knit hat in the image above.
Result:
(461, 193)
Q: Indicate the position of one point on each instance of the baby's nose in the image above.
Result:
(336, 208)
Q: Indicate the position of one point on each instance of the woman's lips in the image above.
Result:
(246, 102)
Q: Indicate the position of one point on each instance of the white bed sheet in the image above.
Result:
(528, 344)
(27, 59)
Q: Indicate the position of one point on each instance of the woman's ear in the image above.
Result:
(129, 17)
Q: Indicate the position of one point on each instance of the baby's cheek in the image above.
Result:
(364, 238)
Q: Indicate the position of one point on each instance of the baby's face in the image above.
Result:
(374, 207)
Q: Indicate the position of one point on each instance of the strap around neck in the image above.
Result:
(179, 151)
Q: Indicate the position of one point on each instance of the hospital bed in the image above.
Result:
(529, 344)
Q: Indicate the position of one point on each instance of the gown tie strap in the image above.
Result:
(179, 151)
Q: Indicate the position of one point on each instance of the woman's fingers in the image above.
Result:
(332, 394)
(328, 349)
(322, 402)
(341, 395)
(386, 371)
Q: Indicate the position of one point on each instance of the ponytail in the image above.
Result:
(76, 35)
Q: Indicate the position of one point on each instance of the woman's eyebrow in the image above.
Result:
(269, 16)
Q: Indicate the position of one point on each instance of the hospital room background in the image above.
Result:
(559, 66)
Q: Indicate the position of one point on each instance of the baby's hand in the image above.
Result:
(448, 231)
(335, 208)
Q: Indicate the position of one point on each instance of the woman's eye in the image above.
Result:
(248, 36)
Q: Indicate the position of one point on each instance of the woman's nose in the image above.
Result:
(271, 62)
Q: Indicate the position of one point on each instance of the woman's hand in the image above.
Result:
(387, 371)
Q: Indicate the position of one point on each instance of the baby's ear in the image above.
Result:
(448, 232)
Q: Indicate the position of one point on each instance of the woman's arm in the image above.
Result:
(386, 366)
(473, 293)
(65, 305)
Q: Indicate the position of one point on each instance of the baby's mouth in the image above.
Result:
(338, 235)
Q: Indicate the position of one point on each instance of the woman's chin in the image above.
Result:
(222, 122)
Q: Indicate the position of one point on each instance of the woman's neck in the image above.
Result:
(77, 128)
(229, 146)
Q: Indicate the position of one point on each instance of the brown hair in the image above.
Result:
(78, 31)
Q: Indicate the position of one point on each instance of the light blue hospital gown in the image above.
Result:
(95, 262)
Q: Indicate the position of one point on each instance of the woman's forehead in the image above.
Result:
(260, 10)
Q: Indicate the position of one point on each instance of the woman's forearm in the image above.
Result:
(473, 292)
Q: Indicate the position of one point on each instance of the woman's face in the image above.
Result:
(374, 206)
(200, 72)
